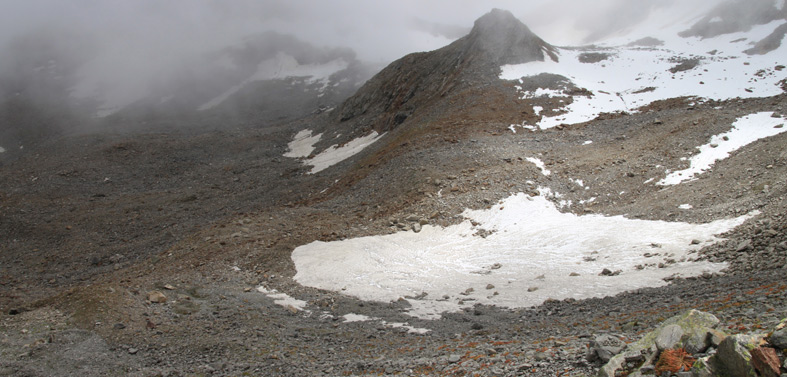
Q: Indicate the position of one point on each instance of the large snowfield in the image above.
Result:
(632, 77)
(534, 253)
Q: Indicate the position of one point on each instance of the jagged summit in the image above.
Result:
(506, 40)
(424, 82)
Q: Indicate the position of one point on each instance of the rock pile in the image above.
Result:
(689, 345)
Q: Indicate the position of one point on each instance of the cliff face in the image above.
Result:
(416, 81)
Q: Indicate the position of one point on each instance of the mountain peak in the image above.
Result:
(506, 40)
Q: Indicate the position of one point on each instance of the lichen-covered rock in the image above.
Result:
(704, 367)
(697, 342)
(779, 337)
(734, 355)
(689, 323)
(669, 337)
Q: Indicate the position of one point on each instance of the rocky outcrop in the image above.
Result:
(689, 346)
(416, 81)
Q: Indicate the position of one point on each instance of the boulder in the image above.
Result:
(669, 337)
(734, 355)
(765, 361)
(779, 336)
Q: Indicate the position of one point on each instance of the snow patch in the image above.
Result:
(685, 206)
(283, 299)
(2, 150)
(335, 154)
(540, 165)
(745, 130)
(587, 142)
(531, 252)
(632, 77)
(302, 144)
(352, 317)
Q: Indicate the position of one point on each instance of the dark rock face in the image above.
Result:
(420, 80)
(505, 40)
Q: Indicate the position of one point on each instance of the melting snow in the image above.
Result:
(2, 150)
(283, 299)
(302, 144)
(632, 77)
(335, 154)
(745, 130)
(540, 165)
(351, 317)
(533, 253)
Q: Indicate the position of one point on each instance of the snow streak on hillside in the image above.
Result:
(534, 252)
(745, 130)
(280, 67)
(302, 146)
(627, 77)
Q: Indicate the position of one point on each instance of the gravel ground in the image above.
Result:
(93, 224)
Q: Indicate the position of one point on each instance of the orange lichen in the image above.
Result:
(673, 361)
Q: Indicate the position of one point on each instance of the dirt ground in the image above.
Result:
(92, 224)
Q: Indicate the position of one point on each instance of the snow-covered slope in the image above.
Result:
(630, 72)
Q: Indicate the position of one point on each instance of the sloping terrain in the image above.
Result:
(173, 253)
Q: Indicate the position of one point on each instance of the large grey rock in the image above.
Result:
(733, 355)
(779, 337)
(697, 342)
(669, 337)
(705, 367)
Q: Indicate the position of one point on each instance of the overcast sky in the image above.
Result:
(377, 30)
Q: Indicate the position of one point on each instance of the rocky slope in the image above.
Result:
(170, 253)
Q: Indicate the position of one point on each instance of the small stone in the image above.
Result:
(573, 274)
(743, 246)
(714, 145)
(133, 351)
(119, 326)
(157, 297)
(453, 359)
(490, 286)
(695, 242)
(169, 287)
(417, 228)
(532, 289)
